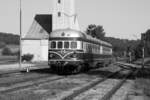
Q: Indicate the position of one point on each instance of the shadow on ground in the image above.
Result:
(41, 71)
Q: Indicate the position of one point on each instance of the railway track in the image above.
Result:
(77, 94)
(84, 85)
(27, 84)
(22, 81)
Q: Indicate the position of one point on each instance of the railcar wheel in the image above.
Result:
(86, 67)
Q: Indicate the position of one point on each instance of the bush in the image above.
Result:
(7, 52)
(27, 57)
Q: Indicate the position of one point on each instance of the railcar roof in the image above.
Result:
(98, 40)
(67, 33)
(75, 33)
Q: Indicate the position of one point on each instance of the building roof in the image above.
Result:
(45, 20)
(40, 28)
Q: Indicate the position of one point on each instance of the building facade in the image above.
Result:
(35, 42)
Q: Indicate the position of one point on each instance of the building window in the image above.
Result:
(59, 14)
(59, 1)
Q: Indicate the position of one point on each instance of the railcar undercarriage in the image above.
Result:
(63, 67)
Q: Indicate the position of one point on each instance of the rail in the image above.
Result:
(87, 87)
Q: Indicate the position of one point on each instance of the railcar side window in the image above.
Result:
(66, 44)
(73, 44)
(53, 44)
(60, 44)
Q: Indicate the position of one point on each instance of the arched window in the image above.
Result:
(59, 1)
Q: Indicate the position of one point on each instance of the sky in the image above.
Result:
(125, 19)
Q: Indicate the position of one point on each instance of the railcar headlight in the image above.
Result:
(74, 55)
(51, 55)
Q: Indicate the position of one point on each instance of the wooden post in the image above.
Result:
(28, 69)
(20, 14)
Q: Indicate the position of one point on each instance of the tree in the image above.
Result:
(96, 31)
(2, 44)
(147, 35)
(91, 30)
(138, 51)
(6, 51)
(9, 38)
(100, 34)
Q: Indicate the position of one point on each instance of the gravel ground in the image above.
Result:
(122, 93)
(60, 88)
(52, 90)
(139, 90)
(98, 91)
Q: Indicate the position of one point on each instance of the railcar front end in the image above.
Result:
(72, 51)
(65, 51)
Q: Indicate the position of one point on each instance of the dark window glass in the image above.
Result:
(73, 44)
(60, 44)
(59, 14)
(53, 44)
(59, 1)
(66, 44)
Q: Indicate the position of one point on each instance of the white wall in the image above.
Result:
(39, 48)
(68, 18)
(44, 50)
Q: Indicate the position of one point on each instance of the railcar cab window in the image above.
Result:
(73, 45)
(60, 45)
(66, 44)
(53, 44)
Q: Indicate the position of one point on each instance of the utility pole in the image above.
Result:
(20, 20)
(143, 38)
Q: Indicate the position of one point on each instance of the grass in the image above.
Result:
(13, 48)
(141, 86)
(5, 58)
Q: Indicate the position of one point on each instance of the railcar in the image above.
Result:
(73, 51)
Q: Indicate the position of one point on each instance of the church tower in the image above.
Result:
(64, 15)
